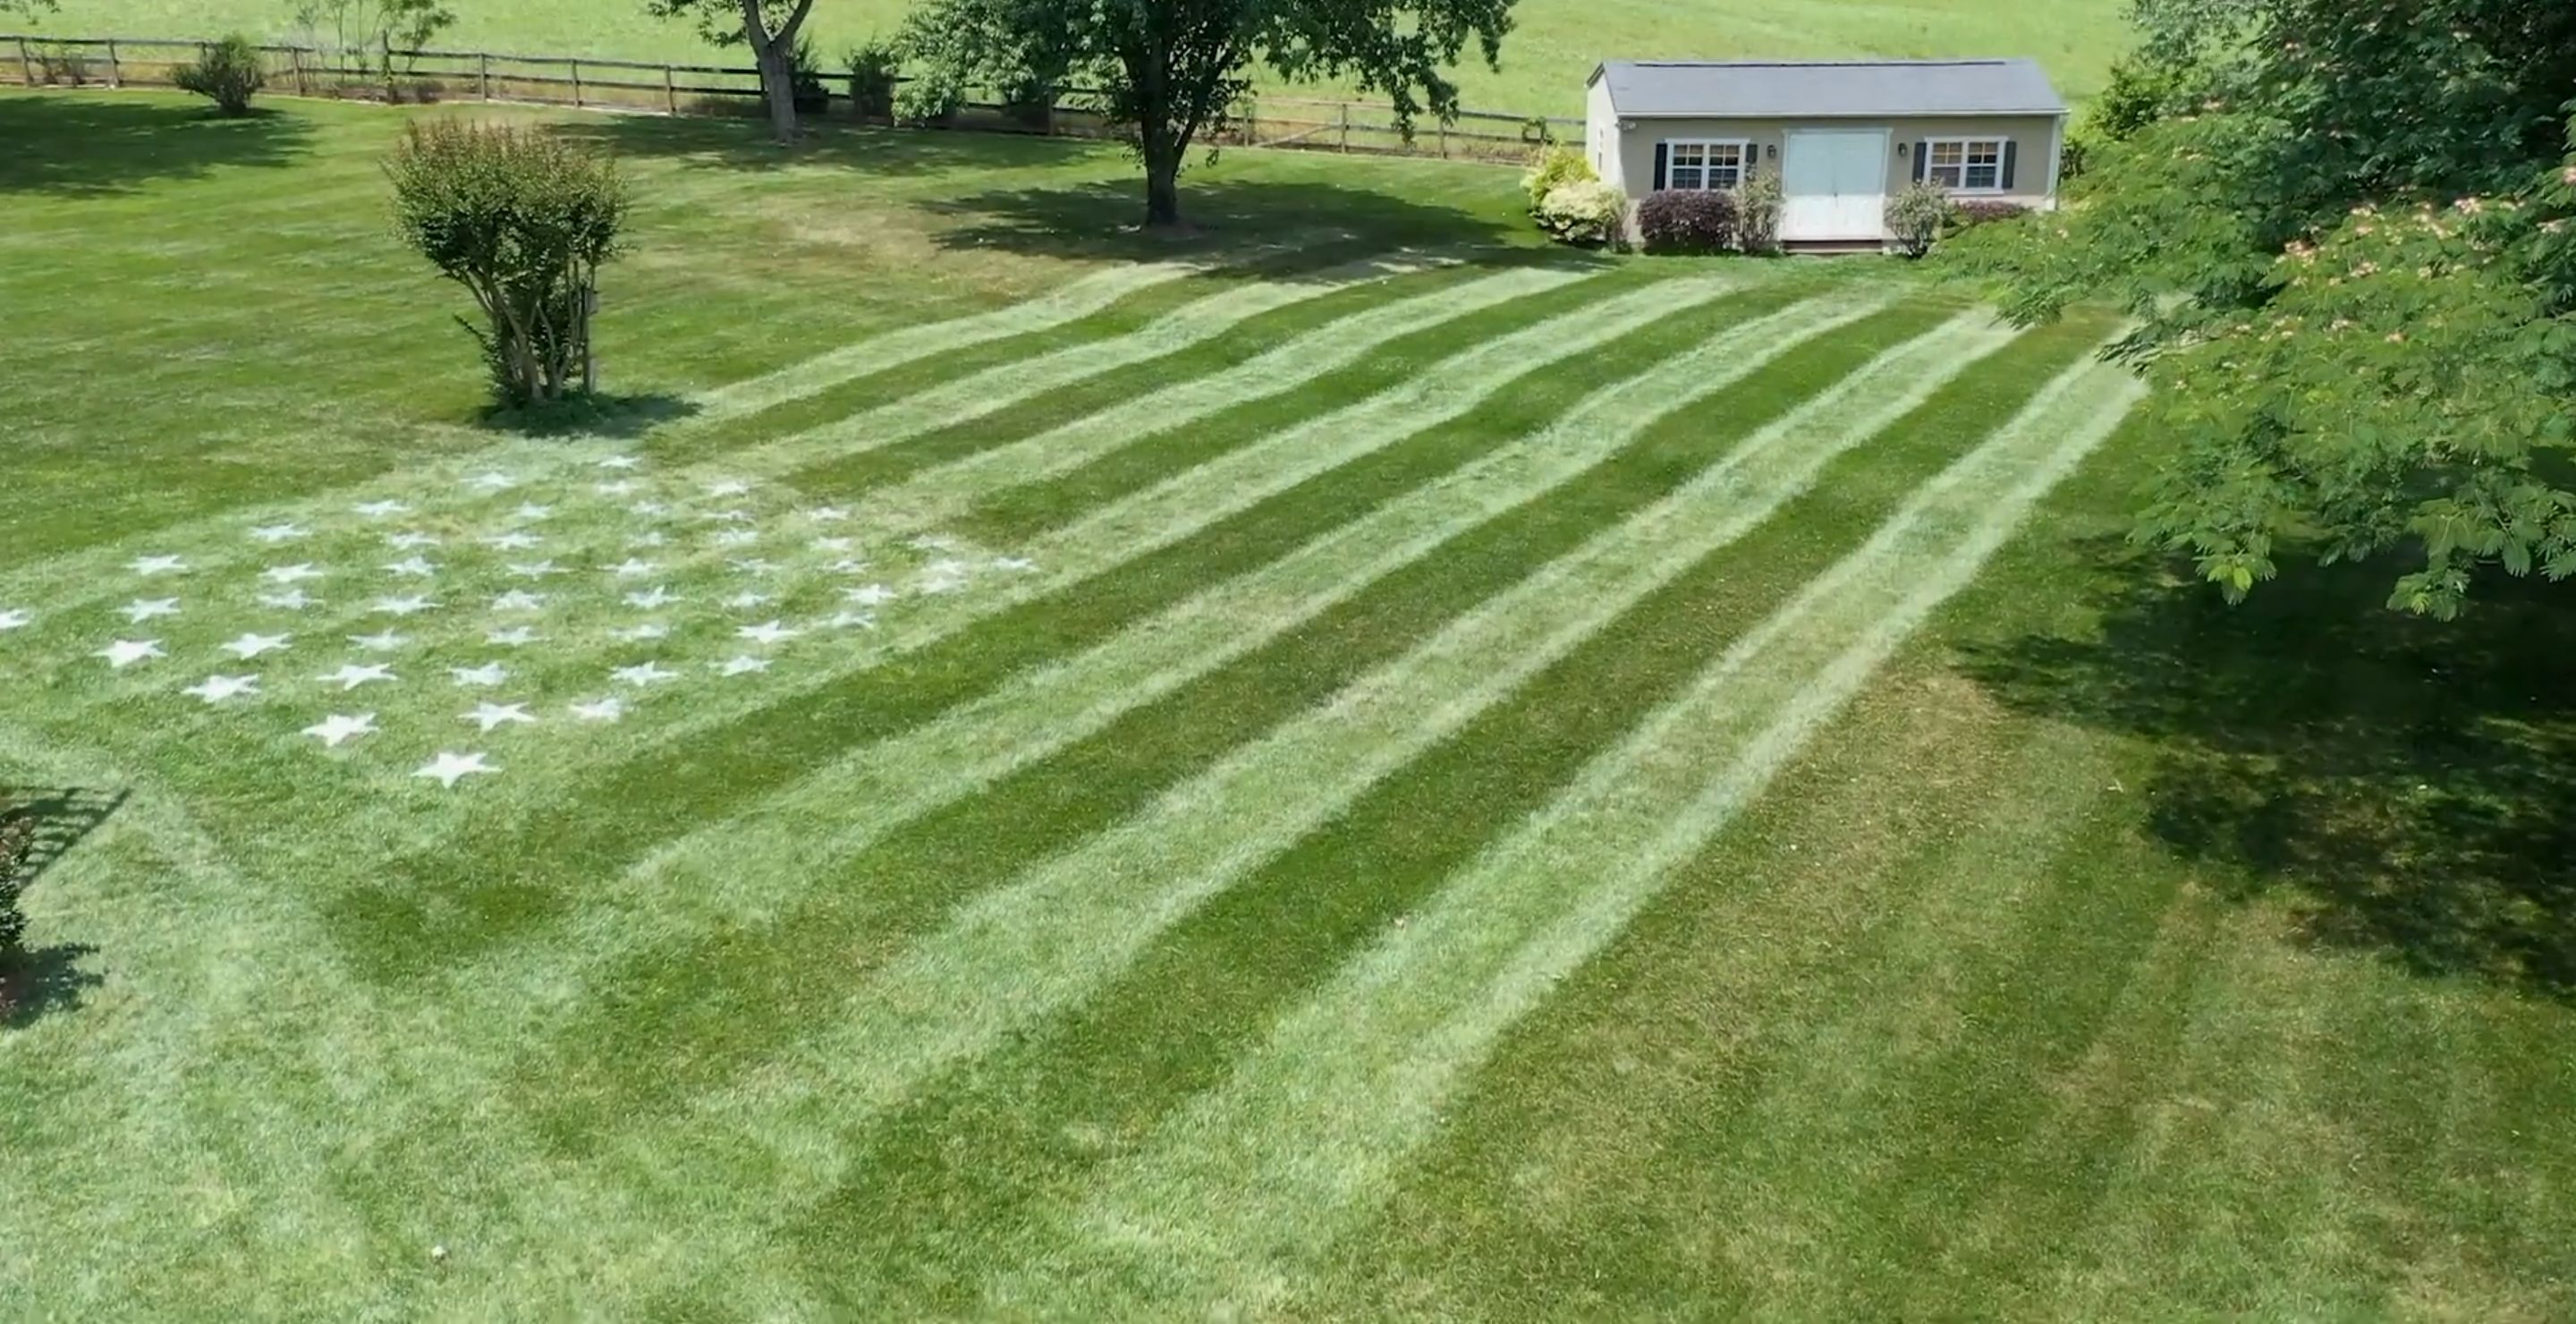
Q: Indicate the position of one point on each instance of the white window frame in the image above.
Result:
(1743, 162)
(1967, 145)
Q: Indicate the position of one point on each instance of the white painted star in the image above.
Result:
(490, 715)
(849, 565)
(273, 534)
(620, 487)
(534, 569)
(870, 595)
(753, 565)
(517, 636)
(617, 462)
(649, 509)
(252, 645)
(946, 567)
(492, 480)
(631, 568)
(409, 541)
(126, 652)
(600, 710)
(490, 673)
(836, 546)
(378, 643)
(532, 512)
(725, 487)
(740, 665)
(736, 515)
(657, 596)
(1018, 565)
(337, 727)
(144, 609)
(290, 574)
(850, 620)
(933, 542)
(158, 565)
(827, 514)
(293, 599)
(736, 538)
(413, 567)
(513, 541)
(639, 633)
(767, 632)
(449, 768)
(351, 675)
(15, 618)
(651, 673)
(405, 606)
(216, 689)
(518, 600)
(746, 601)
(648, 538)
(381, 509)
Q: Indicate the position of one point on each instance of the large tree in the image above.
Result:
(1168, 72)
(770, 28)
(2344, 226)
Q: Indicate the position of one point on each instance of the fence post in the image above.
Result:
(1346, 125)
(483, 73)
(26, 63)
(115, 72)
(295, 56)
(670, 92)
(576, 81)
(1444, 140)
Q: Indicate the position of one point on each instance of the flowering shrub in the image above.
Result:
(1915, 218)
(1687, 221)
(1586, 212)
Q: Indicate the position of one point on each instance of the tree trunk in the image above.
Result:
(1162, 181)
(778, 84)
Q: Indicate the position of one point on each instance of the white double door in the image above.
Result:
(1836, 182)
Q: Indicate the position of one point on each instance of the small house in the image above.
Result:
(1845, 135)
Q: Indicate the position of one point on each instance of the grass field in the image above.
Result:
(1350, 767)
(1552, 48)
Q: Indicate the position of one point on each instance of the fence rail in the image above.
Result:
(432, 75)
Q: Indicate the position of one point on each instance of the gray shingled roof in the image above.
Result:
(1809, 89)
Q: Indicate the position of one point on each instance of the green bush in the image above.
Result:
(874, 65)
(929, 97)
(806, 79)
(17, 842)
(1586, 212)
(1551, 169)
(522, 219)
(1915, 217)
(1757, 211)
(227, 72)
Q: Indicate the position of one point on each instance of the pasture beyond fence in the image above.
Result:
(1307, 123)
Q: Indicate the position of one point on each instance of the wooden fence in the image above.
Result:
(699, 89)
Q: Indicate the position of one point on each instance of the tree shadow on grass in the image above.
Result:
(2413, 783)
(38, 826)
(608, 415)
(743, 143)
(96, 144)
(1098, 220)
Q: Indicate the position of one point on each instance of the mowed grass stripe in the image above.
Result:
(1248, 1185)
(430, 908)
(1013, 402)
(1037, 342)
(943, 496)
(1029, 1124)
(746, 985)
(1069, 924)
(698, 879)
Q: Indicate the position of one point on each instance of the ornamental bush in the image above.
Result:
(1757, 205)
(17, 842)
(1586, 212)
(1687, 221)
(1915, 217)
(523, 220)
(873, 67)
(227, 72)
(1969, 213)
(1554, 167)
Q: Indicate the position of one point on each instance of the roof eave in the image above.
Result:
(2007, 113)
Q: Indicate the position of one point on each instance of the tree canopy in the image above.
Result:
(1168, 72)
(2344, 226)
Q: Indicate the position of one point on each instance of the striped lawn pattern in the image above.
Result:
(1391, 626)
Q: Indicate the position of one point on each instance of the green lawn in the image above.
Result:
(1352, 766)
(1544, 62)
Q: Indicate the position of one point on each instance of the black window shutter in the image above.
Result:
(1922, 161)
(2009, 153)
(1663, 164)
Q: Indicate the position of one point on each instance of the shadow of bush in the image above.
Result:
(2412, 782)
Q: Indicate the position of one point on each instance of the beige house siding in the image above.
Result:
(1601, 137)
(2034, 137)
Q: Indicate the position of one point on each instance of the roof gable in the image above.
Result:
(1761, 89)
